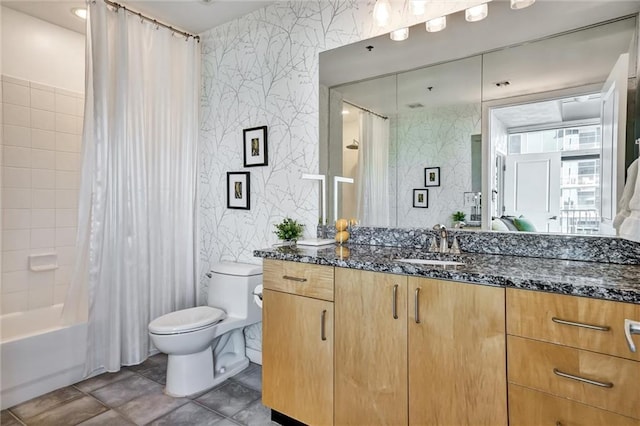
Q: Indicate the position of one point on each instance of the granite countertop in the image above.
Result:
(590, 279)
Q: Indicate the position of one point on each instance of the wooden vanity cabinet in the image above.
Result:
(297, 345)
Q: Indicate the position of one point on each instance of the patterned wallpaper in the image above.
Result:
(259, 70)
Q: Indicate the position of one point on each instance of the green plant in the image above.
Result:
(459, 216)
(288, 229)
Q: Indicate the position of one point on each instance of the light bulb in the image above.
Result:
(382, 12)
(80, 12)
(437, 24)
(400, 34)
(521, 4)
(418, 7)
(476, 13)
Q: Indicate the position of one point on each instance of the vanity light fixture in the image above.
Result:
(476, 13)
(345, 111)
(382, 12)
(437, 24)
(80, 12)
(521, 4)
(418, 7)
(400, 34)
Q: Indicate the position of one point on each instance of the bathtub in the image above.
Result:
(39, 354)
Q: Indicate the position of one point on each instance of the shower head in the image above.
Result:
(353, 145)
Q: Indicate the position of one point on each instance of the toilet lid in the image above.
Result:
(186, 320)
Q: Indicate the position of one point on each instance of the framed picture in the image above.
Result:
(421, 198)
(238, 190)
(255, 146)
(432, 176)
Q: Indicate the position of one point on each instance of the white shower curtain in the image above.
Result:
(373, 170)
(138, 204)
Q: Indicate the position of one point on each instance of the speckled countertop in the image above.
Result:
(590, 279)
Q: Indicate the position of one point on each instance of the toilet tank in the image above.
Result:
(231, 289)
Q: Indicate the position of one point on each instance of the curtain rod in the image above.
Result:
(359, 107)
(153, 21)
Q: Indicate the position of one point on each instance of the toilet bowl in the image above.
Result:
(187, 335)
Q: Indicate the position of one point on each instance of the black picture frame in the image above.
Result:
(421, 198)
(239, 190)
(255, 148)
(432, 176)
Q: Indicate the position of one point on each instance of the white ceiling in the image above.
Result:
(194, 16)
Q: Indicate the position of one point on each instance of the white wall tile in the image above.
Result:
(67, 180)
(14, 80)
(43, 179)
(63, 275)
(42, 99)
(66, 255)
(16, 156)
(41, 86)
(45, 120)
(66, 123)
(16, 177)
(43, 218)
(79, 124)
(66, 198)
(15, 94)
(14, 302)
(41, 295)
(67, 142)
(15, 115)
(65, 104)
(43, 198)
(66, 217)
(16, 136)
(67, 161)
(43, 238)
(16, 219)
(60, 293)
(15, 239)
(68, 92)
(16, 198)
(14, 281)
(43, 159)
(15, 260)
(80, 107)
(43, 139)
(65, 236)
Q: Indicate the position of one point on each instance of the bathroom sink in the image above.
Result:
(434, 262)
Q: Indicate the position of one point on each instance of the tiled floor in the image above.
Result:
(134, 396)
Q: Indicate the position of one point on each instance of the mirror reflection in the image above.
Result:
(532, 131)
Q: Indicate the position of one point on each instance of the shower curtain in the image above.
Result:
(373, 170)
(138, 203)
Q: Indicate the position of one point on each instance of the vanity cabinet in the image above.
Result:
(418, 351)
(569, 361)
(297, 345)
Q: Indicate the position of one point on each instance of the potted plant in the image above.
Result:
(458, 217)
(289, 230)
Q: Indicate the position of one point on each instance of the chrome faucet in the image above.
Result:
(444, 245)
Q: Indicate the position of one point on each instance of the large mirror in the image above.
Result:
(498, 119)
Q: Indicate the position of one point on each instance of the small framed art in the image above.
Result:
(421, 198)
(432, 176)
(238, 190)
(255, 146)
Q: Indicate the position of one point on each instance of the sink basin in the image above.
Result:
(434, 262)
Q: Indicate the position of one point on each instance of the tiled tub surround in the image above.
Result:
(591, 279)
(550, 246)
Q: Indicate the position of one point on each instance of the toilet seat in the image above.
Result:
(186, 320)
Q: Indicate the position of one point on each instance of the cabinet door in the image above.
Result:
(457, 361)
(297, 357)
(371, 348)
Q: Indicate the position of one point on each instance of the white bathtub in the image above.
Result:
(38, 354)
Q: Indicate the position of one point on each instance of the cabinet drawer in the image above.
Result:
(303, 279)
(545, 367)
(532, 408)
(566, 320)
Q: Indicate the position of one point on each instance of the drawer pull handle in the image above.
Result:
(394, 302)
(631, 327)
(581, 324)
(417, 303)
(323, 334)
(582, 379)
(296, 279)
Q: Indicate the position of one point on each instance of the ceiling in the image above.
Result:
(194, 16)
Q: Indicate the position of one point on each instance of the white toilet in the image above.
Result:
(186, 336)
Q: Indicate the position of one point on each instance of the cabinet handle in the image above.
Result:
(417, 303)
(631, 327)
(581, 324)
(394, 303)
(582, 379)
(323, 334)
(290, 278)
